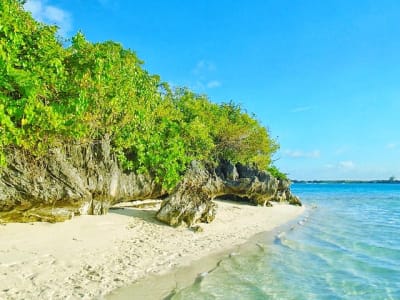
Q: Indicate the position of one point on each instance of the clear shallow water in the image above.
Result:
(346, 247)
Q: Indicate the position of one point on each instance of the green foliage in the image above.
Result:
(224, 131)
(274, 171)
(32, 73)
(51, 95)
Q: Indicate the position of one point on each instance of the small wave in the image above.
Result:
(348, 248)
(279, 237)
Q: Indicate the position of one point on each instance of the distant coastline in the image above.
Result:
(346, 181)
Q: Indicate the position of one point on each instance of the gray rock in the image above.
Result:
(86, 179)
(67, 181)
(191, 201)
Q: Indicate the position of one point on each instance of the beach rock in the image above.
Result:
(197, 228)
(86, 179)
(191, 201)
(67, 181)
(284, 194)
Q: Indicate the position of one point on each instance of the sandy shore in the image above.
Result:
(89, 256)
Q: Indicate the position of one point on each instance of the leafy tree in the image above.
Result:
(224, 131)
(51, 95)
(240, 137)
(274, 171)
(32, 115)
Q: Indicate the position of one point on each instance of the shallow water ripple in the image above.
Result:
(348, 247)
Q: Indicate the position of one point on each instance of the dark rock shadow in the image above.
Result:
(233, 199)
(148, 215)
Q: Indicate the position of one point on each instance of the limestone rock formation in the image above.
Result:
(284, 194)
(72, 180)
(191, 201)
(86, 179)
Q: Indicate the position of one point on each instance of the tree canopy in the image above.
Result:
(51, 95)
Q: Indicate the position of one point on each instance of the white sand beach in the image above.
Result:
(90, 256)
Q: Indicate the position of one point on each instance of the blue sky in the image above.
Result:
(323, 76)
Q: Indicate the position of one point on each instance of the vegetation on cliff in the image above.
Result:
(52, 95)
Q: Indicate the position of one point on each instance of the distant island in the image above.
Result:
(389, 181)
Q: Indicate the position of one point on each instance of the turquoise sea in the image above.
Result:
(346, 246)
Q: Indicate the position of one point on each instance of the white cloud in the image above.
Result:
(198, 85)
(35, 7)
(213, 84)
(302, 154)
(347, 165)
(204, 66)
(55, 14)
(301, 109)
(341, 167)
(50, 14)
(201, 76)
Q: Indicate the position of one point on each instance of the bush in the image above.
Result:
(274, 171)
(50, 95)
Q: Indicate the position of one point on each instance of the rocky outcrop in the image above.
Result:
(284, 194)
(86, 179)
(191, 201)
(72, 180)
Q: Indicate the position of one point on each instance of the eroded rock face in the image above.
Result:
(68, 181)
(191, 201)
(75, 180)
(284, 194)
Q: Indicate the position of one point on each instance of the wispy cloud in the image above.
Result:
(302, 154)
(50, 14)
(213, 84)
(201, 74)
(301, 109)
(204, 66)
(347, 165)
(198, 85)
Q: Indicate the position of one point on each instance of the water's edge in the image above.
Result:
(165, 286)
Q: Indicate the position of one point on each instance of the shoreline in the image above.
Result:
(92, 256)
(165, 286)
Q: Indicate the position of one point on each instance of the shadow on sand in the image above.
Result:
(145, 214)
